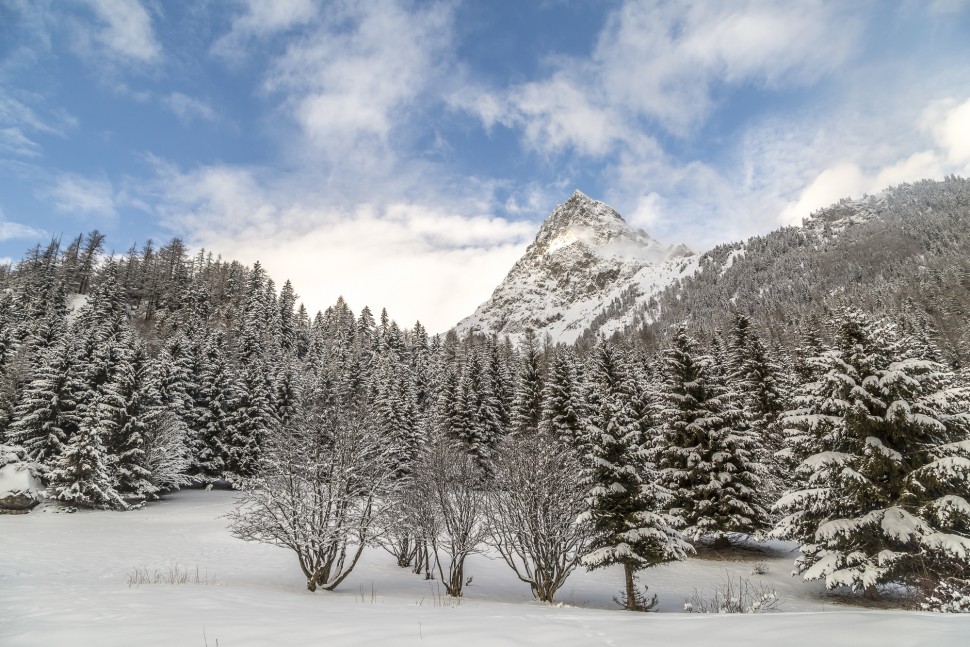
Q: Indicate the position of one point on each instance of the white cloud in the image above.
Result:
(843, 180)
(659, 60)
(79, 195)
(261, 19)
(188, 109)
(658, 63)
(420, 260)
(13, 230)
(948, 121)
(557, 114)
(360, 71)
(125, 33)
(13, 140)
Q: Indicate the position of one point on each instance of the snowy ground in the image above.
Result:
(63, 581)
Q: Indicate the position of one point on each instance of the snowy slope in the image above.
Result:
(585, 259)
(63, 581)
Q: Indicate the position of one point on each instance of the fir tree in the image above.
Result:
(527, 402)
(707, 455)
(563, 406)
(883, 465)
(80, 474)
(624, 502)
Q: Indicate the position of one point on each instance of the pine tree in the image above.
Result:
(45, 416)
(707, 455)
(563, 406)
(80, 474)
(624, 502)
(527, 401)
(881, 446)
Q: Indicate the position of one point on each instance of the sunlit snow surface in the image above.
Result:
(63, 582)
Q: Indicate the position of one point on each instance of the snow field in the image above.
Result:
(63, 581)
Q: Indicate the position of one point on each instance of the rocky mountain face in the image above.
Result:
(587, 268)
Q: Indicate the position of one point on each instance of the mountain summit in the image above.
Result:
(587, 268)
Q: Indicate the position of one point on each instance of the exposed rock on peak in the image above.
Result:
(584, 258)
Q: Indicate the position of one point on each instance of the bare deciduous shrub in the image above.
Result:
(318, 492)
(734, 596)
(533, 506)
(174, 574)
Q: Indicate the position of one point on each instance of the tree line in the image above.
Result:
(125, 376)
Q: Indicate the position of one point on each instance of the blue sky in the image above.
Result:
(403, 153)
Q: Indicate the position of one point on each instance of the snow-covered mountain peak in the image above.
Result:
(584, 258)
(597, 227)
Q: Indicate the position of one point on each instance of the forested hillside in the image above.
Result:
(810, 389)
(901, 253)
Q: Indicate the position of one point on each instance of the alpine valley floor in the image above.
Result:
(64, 581)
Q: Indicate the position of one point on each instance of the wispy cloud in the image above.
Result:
(14, 141)
(258, 20)
(123, 32)
(79, 195)
(657, 63)
(14, 230)
(189, 109)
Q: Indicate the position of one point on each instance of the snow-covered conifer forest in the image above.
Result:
(806, 403)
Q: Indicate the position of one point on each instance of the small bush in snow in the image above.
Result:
(734, 596)
(759, 568)
(174, 574)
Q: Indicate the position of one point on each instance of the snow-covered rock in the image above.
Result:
(20, 486)
(586, 264)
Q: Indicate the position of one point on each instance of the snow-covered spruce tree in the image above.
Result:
(212, 412)
(394, 407)
(757, 381)
(45, 416)
(255, 417)
(127, 400)
(563, 405)
(755, 377)
(475, 415)
(536, 497)
(527, 399)
(317, 489)
(623, 501)
(883, 477)
(706, 453)
(80, 474)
